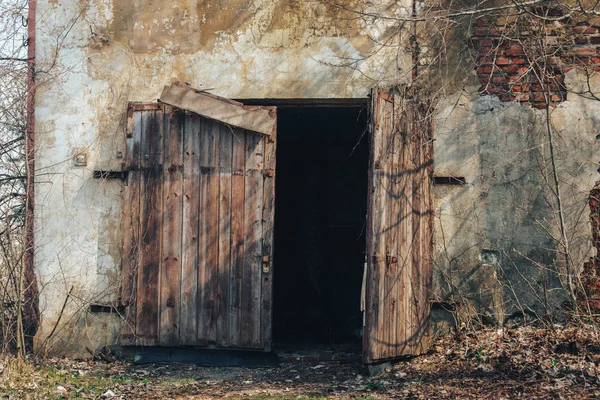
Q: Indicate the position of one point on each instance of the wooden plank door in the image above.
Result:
(198, 231)
(400, 226)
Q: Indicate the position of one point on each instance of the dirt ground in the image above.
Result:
(523, 363)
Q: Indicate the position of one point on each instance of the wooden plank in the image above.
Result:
(395, 221)
(369, 279)
(131, 231)
(256, 119)
(268, 241)
(405, 216)
(209, 231)
(425, 134)
(224, 265)
(151, 219)
(375, 256)
(238, 195)
(251, 284)
(172, 225)
(386, 114)
(132, 107)
(191, 204)
(417, 249)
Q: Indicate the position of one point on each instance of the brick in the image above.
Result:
(581, 39)
(486, 43)
(503, 61)
(481, 22)
(485, 69)
(515, 78)
(582, 61)
(519, 61)
(484, 79)
(595, 60)
(485, 60)
(553, 60)
(520, 88)
(538, 98)
(510, 69)
(523, 70)
(499, 79)
(583, 51)
(522, 97)
(583, 29)
(556, 97)
(488, 52)
(595, 40)
(539, 106)
(514, 51)
(482, 32)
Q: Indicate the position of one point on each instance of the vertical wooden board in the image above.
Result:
(425, 134)
(376, 256)
(371, 300)
(209, 231)
(384, 229)
(417, 250)
(238, 195)
(191, 203)
(251, 283)
(131, 229)
(403, 260)
(267, 245)
(392, 275)
(170, 279)
(151, 220)
(224, 265)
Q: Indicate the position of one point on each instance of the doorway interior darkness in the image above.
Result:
(320, 211)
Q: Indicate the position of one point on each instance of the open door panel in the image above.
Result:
(198, 222)
(400, 227)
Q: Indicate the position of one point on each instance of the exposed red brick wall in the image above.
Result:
(523, 58)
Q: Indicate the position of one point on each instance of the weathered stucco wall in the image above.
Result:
(94, 56)
(494, 236)
(497, 237)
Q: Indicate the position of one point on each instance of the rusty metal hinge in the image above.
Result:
(269, 173)
(266, 259)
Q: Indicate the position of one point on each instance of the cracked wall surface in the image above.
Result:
(495, 247)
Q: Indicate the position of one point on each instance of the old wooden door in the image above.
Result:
(198, 224)
(399, 236)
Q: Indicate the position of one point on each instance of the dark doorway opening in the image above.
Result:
(320, 211)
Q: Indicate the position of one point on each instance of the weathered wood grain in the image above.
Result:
(224, 232)
(268, 219)
(399, 228)
(191, 204)
(209, 231)
(172, 225)
(151, 232)
(238, 200)
(251, 284)
(131, 230)
(201, 233)
(256, 119)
